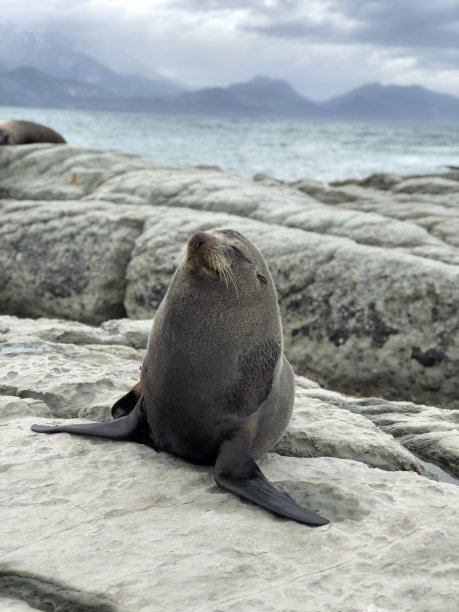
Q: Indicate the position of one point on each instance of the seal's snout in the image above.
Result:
(205, 256)
(197, 240)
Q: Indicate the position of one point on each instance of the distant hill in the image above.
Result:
(394, 103)
(36, 71)
(259, 97)
(31, 87)
(19, 48)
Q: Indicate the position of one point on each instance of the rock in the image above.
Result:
(77, 174)
(430, 433)
(135, 332)
(381, 180)
(67, 332)
(71, 380)
(162, 529)
(318, 429)
(14, 407)
(68, 260)
(431, 185)
(348, 322)
(367, 273)
(67, 380)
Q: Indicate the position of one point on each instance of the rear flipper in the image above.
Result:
(237, 472)
(130, 427)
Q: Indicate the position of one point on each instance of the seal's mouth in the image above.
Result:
(205, 256)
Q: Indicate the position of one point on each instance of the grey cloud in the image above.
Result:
(323, 47)
(259, 6)
(393, 23)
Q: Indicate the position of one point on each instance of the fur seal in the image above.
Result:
(26, 132)
(215, 387)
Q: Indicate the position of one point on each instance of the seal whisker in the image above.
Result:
(216, 264)
(219, 265)
(225, 274)
(224, 270)
(231, 276)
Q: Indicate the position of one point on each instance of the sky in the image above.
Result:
(322, 47)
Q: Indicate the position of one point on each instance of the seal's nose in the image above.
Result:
(198, 240)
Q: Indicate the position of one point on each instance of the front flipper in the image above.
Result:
(237, 472)
(126, 404)
(129, 427)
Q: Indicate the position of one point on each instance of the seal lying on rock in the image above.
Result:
(26, 132)
(215, 385)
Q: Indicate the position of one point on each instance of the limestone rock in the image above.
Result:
(318, 429)
(367, 271)
(349, 321)
(136, 332)
(125, 527)
(68, 260)
(66, 332)
(68, 380)
(94, 524)
(12, 406)
(72, 380)
(430, 433)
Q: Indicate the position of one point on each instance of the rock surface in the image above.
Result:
(114, 526)
(68, 369)
(138, 531)
(82, 372)
(367, 271)
(431, 433)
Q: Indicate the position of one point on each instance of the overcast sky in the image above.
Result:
(322, 47)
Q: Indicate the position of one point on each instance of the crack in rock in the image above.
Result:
(49, 596)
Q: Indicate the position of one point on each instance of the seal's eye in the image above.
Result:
(240, 253)
(261, 278)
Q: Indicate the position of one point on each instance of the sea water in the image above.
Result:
(284, 149)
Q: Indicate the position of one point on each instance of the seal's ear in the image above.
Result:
(3, 137)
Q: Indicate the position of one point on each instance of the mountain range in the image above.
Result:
(23, 49)
(37, 72)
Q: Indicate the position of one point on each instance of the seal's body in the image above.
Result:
(215, 358)
(215, 386)
(26, 132)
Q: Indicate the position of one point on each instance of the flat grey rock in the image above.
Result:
(66, 380)
(71, 379)
(431, 433)
(115, 526)
(319, 429)
(120, 524)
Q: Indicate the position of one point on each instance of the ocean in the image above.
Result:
(286, 150)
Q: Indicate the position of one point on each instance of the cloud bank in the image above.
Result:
(323, 47)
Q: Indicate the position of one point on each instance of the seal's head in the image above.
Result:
(228, 257)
